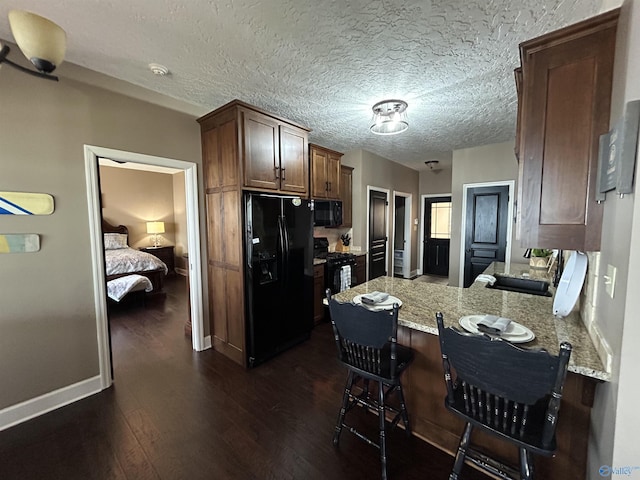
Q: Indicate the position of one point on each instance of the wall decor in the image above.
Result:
(617, 153)
(23, 203)
(19, 243)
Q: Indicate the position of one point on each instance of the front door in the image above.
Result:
(377, 234)
(437, 236)
(486, 229)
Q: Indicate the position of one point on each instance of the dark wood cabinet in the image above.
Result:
(318, 293)
(242, 147)
(361, 269)
(274, 153)
(564, 93)
(325, 172)
(164, 253)
(346, 195)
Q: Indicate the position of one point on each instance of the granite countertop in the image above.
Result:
(421, 301)
(319, 261)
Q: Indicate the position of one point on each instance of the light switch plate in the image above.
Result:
(610, 280)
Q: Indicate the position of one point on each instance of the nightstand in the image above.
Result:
(164, 253)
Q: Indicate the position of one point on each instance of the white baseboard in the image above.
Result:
(35, 407)
(207, 342)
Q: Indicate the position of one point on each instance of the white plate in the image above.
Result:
(515, 333)
(386, 305)
(570, 284)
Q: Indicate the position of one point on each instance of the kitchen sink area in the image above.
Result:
(521, 285)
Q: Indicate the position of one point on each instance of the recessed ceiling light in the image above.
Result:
(158, 69)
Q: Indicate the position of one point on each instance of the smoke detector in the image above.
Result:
(158, 69)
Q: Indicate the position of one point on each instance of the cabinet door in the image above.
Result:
(346, 195)
(333, 176)
(261, 151)
(319, 183)
(294, 164)
(566, 101)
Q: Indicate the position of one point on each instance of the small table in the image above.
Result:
(164, 253)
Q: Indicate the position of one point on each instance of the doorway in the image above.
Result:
(486, 227)
(377, 231)
(402, 234)
(436, 234)
(92, 153)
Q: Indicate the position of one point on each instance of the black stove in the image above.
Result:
(340, 258)
(336, 266)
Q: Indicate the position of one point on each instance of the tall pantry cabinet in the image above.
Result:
(243, 147)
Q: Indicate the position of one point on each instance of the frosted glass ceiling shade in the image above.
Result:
(41, 41)
(389, 117)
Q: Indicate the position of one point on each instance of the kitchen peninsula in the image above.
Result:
(424, 385)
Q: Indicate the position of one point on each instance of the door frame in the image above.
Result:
(463, 225)
(386, 216)
(91, 155)
(408, 200)
(421, 225)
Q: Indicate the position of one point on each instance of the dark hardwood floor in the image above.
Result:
(173, 413)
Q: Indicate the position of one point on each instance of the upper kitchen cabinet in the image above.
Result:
(325, 172)
(273, 152)
(564, 93)
(346, 195)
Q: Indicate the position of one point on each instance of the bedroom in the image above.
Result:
(133, 194)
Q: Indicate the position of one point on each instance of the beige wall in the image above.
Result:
(489, 163)
(615, 420)
(134, 197)
(375, 171)
(433, 182)
(48, 326)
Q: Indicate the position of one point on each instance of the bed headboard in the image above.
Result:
(108, 228)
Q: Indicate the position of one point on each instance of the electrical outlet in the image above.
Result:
(610, 280)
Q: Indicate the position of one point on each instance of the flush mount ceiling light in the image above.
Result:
(389, 117)
(41, 41)
(431, 163)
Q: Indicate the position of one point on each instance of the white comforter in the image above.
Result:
(125, 260)
(119, 287)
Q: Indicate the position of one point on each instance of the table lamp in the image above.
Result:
(155, 228)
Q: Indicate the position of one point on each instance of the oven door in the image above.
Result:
(340, 276)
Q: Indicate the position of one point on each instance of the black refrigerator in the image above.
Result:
(278, 263)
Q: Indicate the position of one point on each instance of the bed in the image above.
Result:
(122, 261)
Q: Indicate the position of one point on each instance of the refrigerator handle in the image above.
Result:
(248, 231)
(285, 234)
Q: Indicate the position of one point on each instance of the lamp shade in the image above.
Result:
(155, 227)
(41, 41)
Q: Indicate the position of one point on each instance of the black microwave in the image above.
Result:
(327, 213)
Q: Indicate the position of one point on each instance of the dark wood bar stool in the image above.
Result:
(507, 391)
(367, 346)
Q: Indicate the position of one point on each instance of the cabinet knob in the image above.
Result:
(275, 172)
(282, 170)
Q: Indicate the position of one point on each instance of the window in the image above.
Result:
(441, 220)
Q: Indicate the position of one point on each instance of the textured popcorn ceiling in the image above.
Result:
(324, 63)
